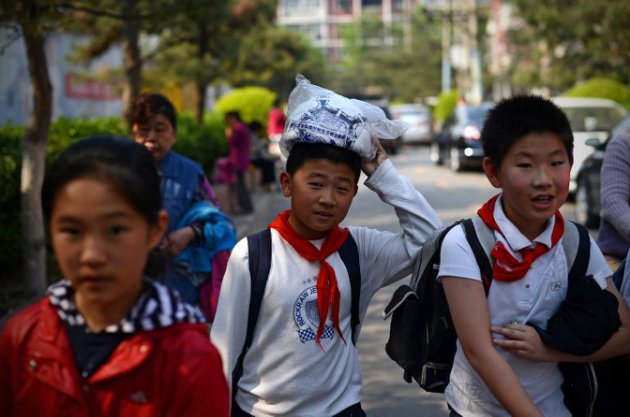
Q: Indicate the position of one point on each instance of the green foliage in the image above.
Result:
(445, 105)
(603, 88)
(253, 103)
(201, 143)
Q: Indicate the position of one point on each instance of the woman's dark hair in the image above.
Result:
(516, 117)
(148, 105)
(119, 161)
(302, 152)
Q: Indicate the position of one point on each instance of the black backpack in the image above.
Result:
(259, 249)
(422, 338)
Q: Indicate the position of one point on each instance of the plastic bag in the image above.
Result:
(318, 115)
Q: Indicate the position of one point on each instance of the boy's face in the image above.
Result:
(321, 192)
(534, 175)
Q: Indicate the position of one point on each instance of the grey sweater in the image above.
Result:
(614, 230)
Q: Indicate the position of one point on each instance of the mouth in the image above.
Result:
(323, 215)
(93, 280)
(543, 201)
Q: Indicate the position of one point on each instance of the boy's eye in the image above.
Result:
(524, 165)
(116, 230)
(342, 190)
(315, 184)
(557, 163)
(70, 231)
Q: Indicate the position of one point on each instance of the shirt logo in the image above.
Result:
(555, 286)
(306, 317)
(139, 397)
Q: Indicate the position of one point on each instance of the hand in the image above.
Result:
(369, 167)
(522, 340)
(177, 240)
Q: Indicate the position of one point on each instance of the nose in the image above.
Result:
(93, 251)
(326, 197)
(542, 177)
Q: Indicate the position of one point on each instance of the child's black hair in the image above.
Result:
(516, 117)
(148, 105)
(120, 162)
(302, 152)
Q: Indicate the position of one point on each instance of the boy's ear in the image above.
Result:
(285, 184)
(492, 172)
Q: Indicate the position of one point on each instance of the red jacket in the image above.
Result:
(172, 371)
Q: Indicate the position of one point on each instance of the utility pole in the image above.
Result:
(447, 21)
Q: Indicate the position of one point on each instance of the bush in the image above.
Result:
(602, 88)
(253, 103)
(201, 143)
(445, 105)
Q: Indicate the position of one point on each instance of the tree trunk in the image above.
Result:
(132, 58)
(201, 81)
(33, 165)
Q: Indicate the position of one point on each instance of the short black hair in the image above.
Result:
(127, 166)
(235, 114)
(516, 117)
(302, 152)
(148, 105)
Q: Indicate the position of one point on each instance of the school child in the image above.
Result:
(501, 367)
(297, 364)
(107, 340)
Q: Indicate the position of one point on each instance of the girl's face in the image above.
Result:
(101, 243)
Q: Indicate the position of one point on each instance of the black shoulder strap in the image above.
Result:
(349, 253)
(259, 251)
(580, 263)
(481, 255)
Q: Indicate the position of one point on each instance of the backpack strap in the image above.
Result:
(259, 252)
(577, 248)
(349, 253)
(481, 240)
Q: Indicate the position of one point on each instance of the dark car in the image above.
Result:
(458, 141)
(587, 197)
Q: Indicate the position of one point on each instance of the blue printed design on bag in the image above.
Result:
(327, 124)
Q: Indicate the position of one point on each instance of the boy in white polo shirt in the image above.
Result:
(299, 365)
(528, 147)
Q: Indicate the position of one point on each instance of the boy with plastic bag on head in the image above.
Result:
(283, 359)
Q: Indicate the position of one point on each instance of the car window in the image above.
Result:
(589, 119)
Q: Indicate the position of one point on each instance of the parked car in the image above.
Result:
(458, 141)
(587, 194)
(418, 117)
(590, 118)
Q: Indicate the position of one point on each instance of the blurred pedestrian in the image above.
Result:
(108, 340)
(239, 139)
(614, 229)
(197, 229)
(261, 158)
(276, 120)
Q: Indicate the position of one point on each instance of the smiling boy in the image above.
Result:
(528, 147)
(299, 365)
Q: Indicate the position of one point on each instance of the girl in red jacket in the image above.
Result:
(107, 340)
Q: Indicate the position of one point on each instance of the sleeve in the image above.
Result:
(204, 191)
(597, 266)
(615, 180)
(230, 322)
(202, 390)
(457, 258)
(389, 256)
(6, 352)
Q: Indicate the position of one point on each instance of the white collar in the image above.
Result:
(513, 236)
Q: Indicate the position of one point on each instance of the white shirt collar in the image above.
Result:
(514, 237)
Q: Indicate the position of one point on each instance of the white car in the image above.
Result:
(418, 118)
(589, 118)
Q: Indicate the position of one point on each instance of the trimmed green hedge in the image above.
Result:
(252, 103)
(602, 88)
(201, 143)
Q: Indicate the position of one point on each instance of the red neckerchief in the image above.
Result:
(327, 290)
(506, 267)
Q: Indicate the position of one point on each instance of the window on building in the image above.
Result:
(371, 3)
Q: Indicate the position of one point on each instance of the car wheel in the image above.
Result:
(583, 212)
(436, 156)
(456, 160)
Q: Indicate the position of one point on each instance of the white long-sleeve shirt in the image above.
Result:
(285, 372)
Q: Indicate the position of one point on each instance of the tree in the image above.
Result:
(33, 18)
(577, 39)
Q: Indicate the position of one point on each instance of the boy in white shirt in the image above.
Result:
(298, 366)
(528, 147)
